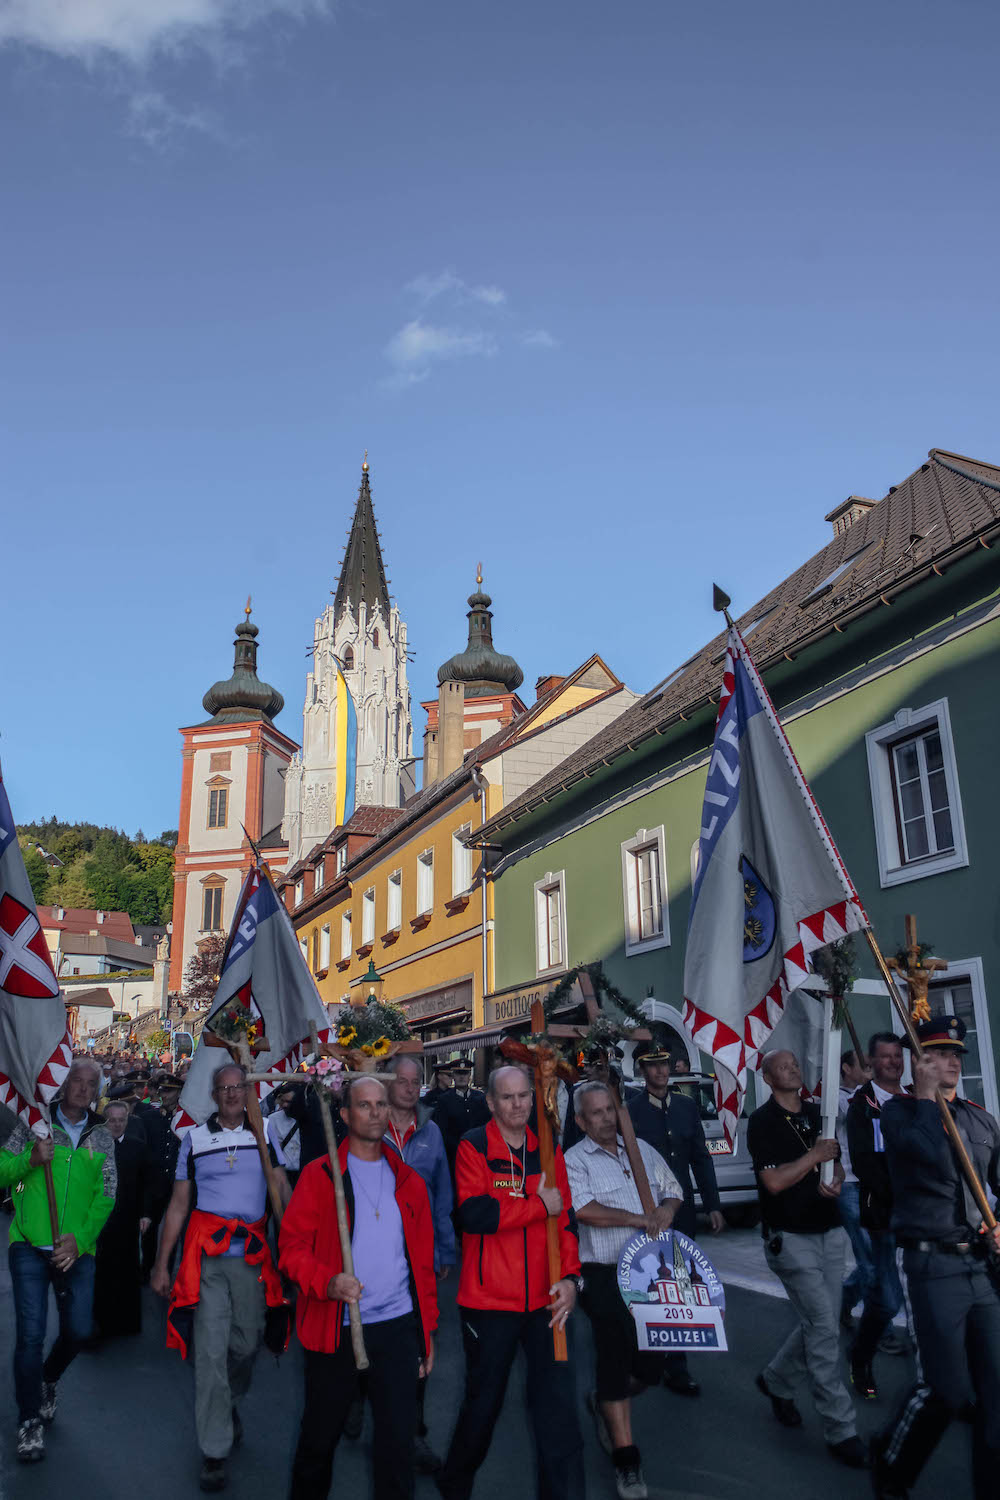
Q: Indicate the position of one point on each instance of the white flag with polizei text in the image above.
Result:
(35, 1046)
(770, 889)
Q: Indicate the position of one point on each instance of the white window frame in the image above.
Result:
(878, 743)
(425, 882)
(324, 946)
(959, 969)
(543, 890)
(304, 949)
(368, 916)
(643, 839)
(341, 858)
(346, 934)
(394, 902)
(300, 890)
(461, 862)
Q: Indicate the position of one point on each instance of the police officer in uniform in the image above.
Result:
(948, 1257)
(670, 1123)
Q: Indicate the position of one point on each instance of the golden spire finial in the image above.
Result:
(479, 575)
(364, 466)
(247, 607)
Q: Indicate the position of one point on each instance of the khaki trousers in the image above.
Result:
(811, 1269)
(228, 1328)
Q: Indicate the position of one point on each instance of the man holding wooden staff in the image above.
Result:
(392, 1244)
(226, 1286)
(506, 1296)
(609, 1211)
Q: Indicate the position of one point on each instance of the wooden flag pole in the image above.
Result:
(951, 1129)
(241, 1051)
(625, 1127)
(340, 1199)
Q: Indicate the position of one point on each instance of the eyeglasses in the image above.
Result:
(231, 1088)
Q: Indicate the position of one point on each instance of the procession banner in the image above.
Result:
(35, 1045)
(266, 981)
(770, 889)
(674, 1294)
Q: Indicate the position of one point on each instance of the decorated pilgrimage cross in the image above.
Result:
(548, 1067)
(917, 971)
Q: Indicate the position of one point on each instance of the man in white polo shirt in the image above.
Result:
(609, 1212)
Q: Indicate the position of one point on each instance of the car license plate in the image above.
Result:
(720, 1147)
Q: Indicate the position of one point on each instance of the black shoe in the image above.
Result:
(355, 1420)
(237, 1429)
(785, 1410)
(425, 1459)
(213, 1475)
(682, 1384)
(863, 1380)
(851, 1451)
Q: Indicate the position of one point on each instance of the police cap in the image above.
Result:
(943, 1031)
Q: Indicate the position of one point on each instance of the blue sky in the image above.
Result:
(621, 299)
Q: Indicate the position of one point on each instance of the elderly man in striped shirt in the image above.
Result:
(609, 1211)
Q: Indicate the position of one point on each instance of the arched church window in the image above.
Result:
(375, 638)
(348, 658)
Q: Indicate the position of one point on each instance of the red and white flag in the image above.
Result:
(35, 1046)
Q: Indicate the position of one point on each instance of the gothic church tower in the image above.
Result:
(364, 630)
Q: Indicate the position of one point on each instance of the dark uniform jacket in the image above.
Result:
(868, 1159)
(930, 1199)
(456, 1115)
(163, 1148)
(676, 1133)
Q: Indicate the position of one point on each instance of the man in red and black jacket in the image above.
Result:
(392, 1241)
(506, 1296)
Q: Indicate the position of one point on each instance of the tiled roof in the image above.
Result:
(945, 504)
(100, 996)
(81, 921)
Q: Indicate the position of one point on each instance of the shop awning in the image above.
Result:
(468, 1041)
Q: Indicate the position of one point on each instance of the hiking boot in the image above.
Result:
(863, 1380)
(600, 1425)
(425, 1459)
(851, 1451)
(31, 1441)
(213, 1475)
(785, 1410)
(49, 1402)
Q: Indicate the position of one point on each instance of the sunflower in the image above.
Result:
(368, 1050)
(252, 1033)
(347, 1034)
(382, 1047)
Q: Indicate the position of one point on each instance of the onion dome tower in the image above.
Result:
(243, 696)
(483, 669)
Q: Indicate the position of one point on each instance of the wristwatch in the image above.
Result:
(577, 1282)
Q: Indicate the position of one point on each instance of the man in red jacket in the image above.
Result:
(507, 1298)
(392, 1238)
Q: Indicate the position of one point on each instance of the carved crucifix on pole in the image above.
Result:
(917, 971)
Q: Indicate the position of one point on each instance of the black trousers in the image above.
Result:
(956, 1316)
(618, 1358)
(332, 1384)
(491, 1341)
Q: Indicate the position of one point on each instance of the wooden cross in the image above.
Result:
(918, 972)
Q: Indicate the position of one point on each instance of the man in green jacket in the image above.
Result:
(82, 1155)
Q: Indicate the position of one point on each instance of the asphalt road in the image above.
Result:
(125, 1430)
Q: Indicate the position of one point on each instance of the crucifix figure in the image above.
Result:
(918, 972)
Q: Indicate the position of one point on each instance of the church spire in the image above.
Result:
(482, 668)
(243, 696)
(362, 575)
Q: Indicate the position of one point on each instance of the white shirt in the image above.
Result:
(595, 1176)
(288, 1152)
(846, 1095)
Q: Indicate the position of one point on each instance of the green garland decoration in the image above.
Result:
(605, 1030)
(838, 964)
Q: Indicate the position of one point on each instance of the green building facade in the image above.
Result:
(881, 655)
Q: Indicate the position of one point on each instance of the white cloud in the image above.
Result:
(418, 345)
(426, 288)
(134, 30)
(539, 338)
(156, 122)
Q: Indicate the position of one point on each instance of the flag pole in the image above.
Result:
(721, 602)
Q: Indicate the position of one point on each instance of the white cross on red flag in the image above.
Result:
(35, 1046)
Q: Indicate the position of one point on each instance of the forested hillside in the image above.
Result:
(101, 867)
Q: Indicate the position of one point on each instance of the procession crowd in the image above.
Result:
(451, 1180)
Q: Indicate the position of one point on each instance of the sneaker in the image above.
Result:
(630, 1484)
(785, 1410)
(50, 1400)
(851, 1451)
(31, 1441)
(213, 1475)
(425, 1459)
(863, 1380)
(600, 1425)
(355, 1419)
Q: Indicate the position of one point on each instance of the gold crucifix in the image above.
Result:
(918, 972)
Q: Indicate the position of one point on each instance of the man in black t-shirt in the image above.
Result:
(805, 1247)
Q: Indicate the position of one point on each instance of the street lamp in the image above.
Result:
(374, 981)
